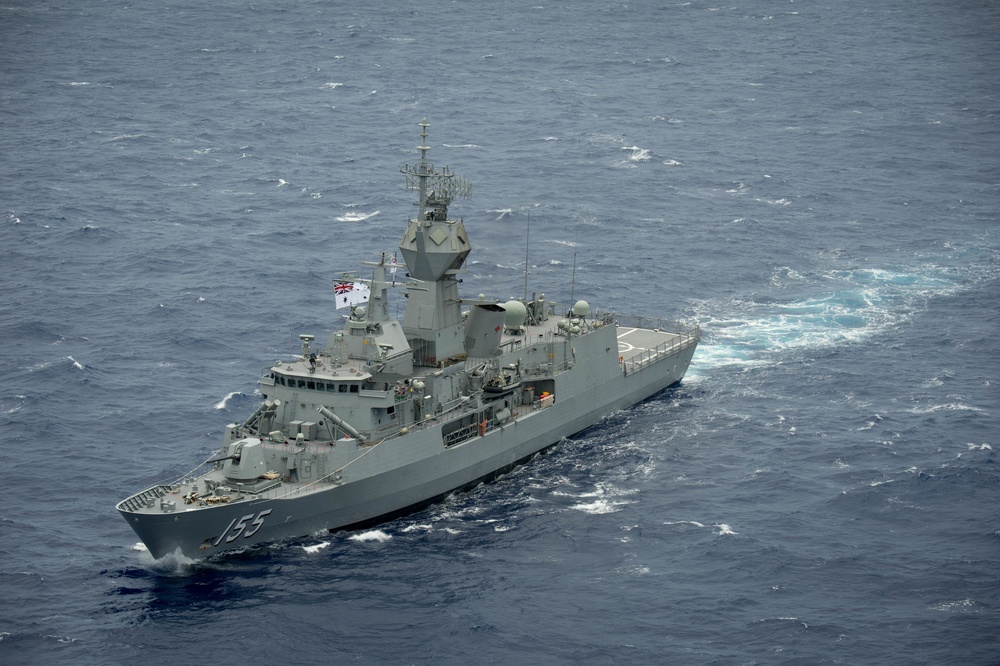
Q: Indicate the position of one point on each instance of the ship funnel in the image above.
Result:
(483, 330)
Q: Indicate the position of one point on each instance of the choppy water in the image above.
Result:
(816, 184)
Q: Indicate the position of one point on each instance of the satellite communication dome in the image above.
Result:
(516, 314)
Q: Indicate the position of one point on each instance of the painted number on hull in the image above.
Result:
(239, 526)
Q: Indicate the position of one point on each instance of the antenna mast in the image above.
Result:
(572, 282)
(435, 188)
(527, 244)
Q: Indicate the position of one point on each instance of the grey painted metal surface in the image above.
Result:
(388, 416)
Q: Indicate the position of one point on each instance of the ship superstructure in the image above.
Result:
(388, 416)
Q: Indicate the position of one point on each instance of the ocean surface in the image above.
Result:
(817, 184)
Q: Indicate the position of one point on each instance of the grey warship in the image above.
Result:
(389, 416)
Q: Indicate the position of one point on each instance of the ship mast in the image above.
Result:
(435, 189)
(434, 248)
(423, 169)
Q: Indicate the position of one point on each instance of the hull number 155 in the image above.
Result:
(240, 527)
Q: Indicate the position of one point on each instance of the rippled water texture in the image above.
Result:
(815, 184)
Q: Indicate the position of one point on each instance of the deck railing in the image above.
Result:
(145, 499)
(681, 340)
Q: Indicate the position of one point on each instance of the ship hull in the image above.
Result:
(422, 471)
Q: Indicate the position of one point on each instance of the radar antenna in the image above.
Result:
(436, 188)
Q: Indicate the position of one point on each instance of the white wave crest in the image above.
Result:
(637, 154)
(947, 407)
(355, 217)
(372, 535)
(600, 506)
(225, 401)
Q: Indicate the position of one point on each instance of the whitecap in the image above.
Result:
(316, 548)
(600, 506)
(418, 526)
(372, 535)
(950, 406)
(126, 137)
(637, 154)
(355, 217)
(695, 523)
(332, 85)
(76, 364)
(15, 408)
(961, 605)
(222, 404)
(724, 529)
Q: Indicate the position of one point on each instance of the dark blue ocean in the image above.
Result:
(816, 183)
